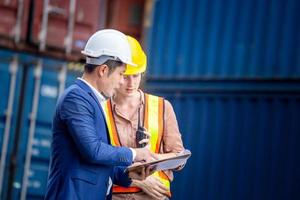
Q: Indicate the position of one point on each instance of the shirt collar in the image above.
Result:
(99, 96)
(142, 101)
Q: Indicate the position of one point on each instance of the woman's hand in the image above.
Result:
(153, 187)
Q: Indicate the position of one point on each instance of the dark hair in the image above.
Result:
(89, 68)
(112, 65)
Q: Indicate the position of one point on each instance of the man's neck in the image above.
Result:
(91, 81)
(93, 86)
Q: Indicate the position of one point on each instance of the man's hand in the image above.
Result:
(144, 155)
(153, 187)
(141, 173)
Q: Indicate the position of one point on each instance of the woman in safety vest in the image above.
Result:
(131, 113)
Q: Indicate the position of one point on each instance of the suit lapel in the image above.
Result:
(87, 88)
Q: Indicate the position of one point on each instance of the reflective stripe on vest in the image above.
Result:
(154, 123)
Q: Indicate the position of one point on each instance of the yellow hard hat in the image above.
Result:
(138, 57)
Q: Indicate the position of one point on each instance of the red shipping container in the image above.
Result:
(60, 27)
(13, 19)
(126, 16)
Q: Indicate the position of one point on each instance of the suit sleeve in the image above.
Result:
(78, 114)
(121, 177)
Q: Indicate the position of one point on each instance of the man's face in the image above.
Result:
(113, 80)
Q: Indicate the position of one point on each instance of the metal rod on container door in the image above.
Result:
(71, 22)
(43, 32)
(44, 29)
(13, 68)
(19, 21)
(103, 14)
(36, 94)
(62, 78)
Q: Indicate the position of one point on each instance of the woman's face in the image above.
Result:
(131, 84)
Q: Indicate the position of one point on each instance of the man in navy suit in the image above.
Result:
(83, 164)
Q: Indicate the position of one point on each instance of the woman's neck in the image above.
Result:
(121, 99)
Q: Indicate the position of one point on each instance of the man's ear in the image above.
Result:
(102, 70)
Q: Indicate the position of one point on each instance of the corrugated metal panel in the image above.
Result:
(60, 28)
(10, 74)
(39, 82)
(84, 20)
(211, 38)
(38, 123)
(49, 88)
(14, 19)
(126, 16)
(244, 143)
(231, 70)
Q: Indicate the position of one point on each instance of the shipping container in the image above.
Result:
(231, 39)
(244, 140)
(231, 69)
(64, 25)
(56, 28)
(38, 82)
(10, 78)
(126, 16)
(59, 28)
(13, 21)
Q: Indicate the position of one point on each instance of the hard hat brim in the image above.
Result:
(131, 63)
(93, 59)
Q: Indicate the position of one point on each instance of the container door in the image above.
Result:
(45, 79)
(10, 79)
(126, 16)
(64, 25)
(13, 20)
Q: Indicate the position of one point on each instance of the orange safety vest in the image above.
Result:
(154, 123)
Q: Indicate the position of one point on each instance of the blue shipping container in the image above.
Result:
(38, 83)
(232, 71)
(10, 74)
(244, 142)
(217, 39)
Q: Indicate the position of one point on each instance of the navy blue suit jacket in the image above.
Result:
(82, 160)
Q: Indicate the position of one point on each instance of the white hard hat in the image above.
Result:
(107, 44)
